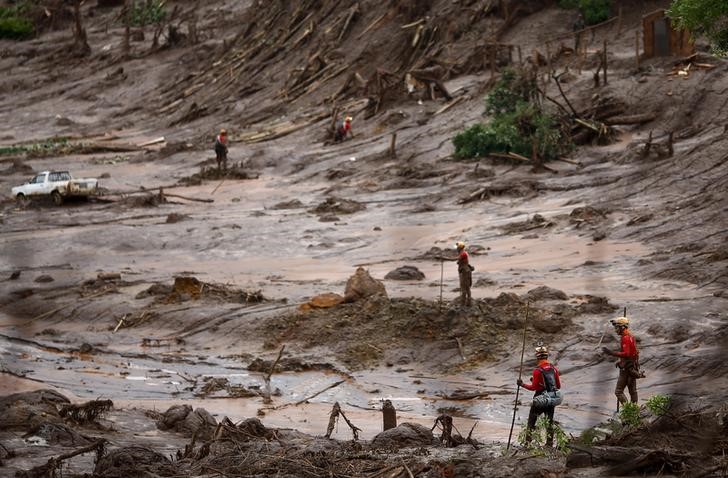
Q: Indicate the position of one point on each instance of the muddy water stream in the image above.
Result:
(291, 254)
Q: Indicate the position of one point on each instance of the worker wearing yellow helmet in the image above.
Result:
(628, 362)
(465, 273)
(546, 383)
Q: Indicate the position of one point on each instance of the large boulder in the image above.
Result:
(405, 435)
(26, 410)
(361, 285)
(545, 293)
(182, 419)
(405, 273)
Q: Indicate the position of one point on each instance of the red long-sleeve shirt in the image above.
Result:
(537, 382)
(629, 347)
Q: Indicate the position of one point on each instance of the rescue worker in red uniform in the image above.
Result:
(221, 150)
(628, 362)
(343, 130)
(545, 379)
(465, 273)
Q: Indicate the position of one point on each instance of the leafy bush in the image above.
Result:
(14, 22)
(49, 146)
(593, 11)
(708, 17)
(517, 124)
(658, 405)
(147, 12)
(629, 414)
(539, 436)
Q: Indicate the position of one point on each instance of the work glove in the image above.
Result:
(607, 351)
(519, 382)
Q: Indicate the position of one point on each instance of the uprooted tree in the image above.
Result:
(520, 128)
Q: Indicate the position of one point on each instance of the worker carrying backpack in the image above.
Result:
(551, 396)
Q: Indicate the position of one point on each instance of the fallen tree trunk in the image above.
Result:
(631, 119)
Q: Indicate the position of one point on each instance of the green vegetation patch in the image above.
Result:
(706, 17)
(15, 23)
(148, 12)
(519, 124)
(593, 11)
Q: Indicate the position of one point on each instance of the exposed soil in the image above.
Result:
(196, 322)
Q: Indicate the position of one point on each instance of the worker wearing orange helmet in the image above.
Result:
(343, 130)
(465, 273)
(221, 150)
(628, 362)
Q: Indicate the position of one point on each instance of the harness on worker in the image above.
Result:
(551, 395)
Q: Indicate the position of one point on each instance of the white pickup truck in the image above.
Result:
(57, 184)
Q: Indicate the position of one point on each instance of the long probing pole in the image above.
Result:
(520, 373)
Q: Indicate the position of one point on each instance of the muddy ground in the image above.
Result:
(154, 301)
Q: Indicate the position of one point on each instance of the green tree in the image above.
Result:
(707, 17)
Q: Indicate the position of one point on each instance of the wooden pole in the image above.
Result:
(389, 415)
(619, 22)
(604, 60)
(392, 146)
(442, 273)
(520, 56)
(637, 48)
(548, 61)
(520, 373)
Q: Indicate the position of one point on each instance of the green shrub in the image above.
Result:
(539, 435)
(512, 132)
(16, 28)
(593, 11)
(15, 23)
(147, 12)
(658, 405)
(629, 415)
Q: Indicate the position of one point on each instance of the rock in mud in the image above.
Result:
(595, 305)
(323, 301)
(586, 214)
(14, 275)
(405, 273)
(25, 410)
(175, 217)
(545, 293)
(133, 461)
(361, 285)
(404, 435)
(44, 279)
(438, 253)
(335, 205)
(155, 290)
(182, 419)
(484, 282)
(292, 204)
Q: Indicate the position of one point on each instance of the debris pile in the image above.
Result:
(236, 171)
(187, 288)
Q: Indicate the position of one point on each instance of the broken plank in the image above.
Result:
(449, 105)
(152, 142)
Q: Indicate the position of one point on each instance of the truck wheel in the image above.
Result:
(57, 198)
(21, 198)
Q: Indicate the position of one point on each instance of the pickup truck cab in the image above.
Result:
(56, 184)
